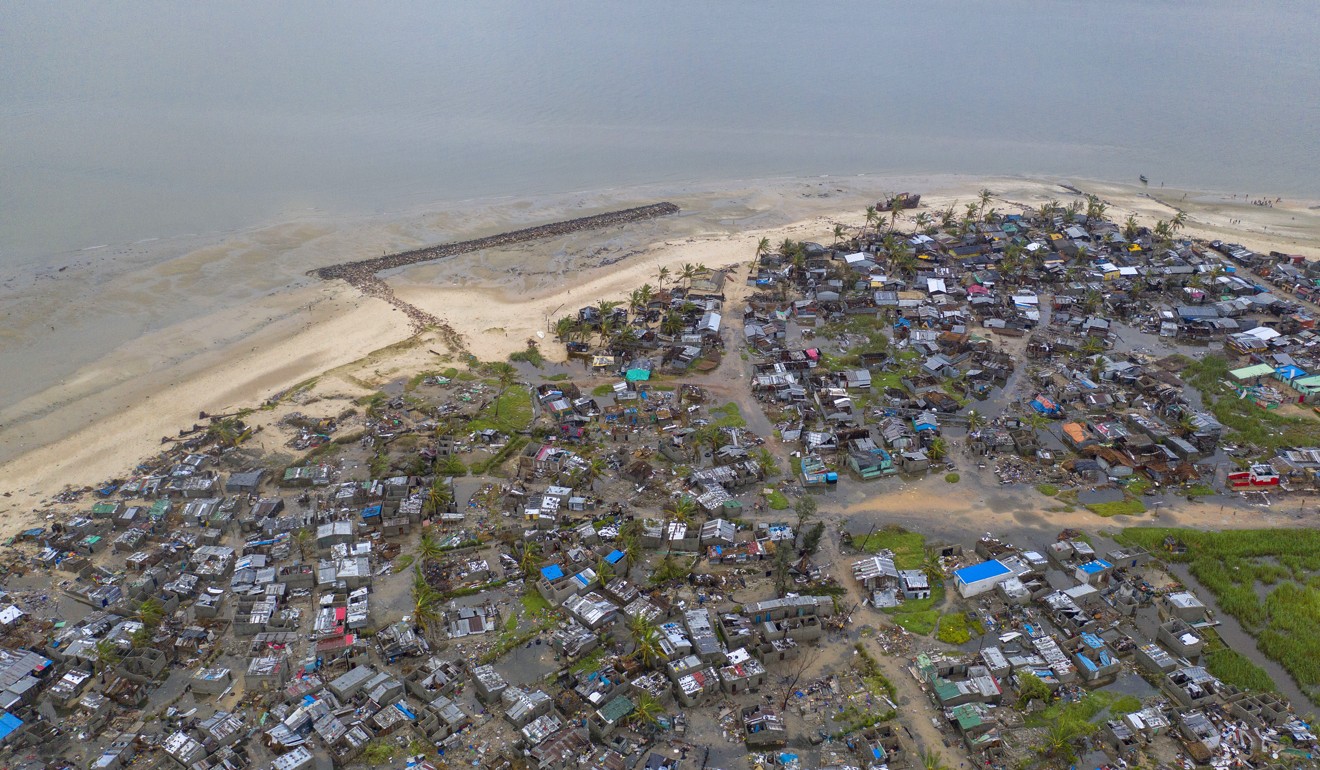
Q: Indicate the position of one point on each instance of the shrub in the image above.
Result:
(1049, 490)
(952, 478)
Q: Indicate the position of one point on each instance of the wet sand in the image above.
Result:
(143, 341)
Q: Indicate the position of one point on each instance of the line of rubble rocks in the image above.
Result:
(362, 274)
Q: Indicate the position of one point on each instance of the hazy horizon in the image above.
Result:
(137, 120)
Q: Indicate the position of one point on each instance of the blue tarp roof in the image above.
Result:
(638, 375)
(552, 572)
(614, 556)
(983, 571)
(1290, 372)
(8, 724)
(1092, 567)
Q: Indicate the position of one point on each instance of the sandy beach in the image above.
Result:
(241, 321)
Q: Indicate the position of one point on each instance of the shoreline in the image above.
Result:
(98, 423)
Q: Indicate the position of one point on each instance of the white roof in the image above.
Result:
(1263, 333)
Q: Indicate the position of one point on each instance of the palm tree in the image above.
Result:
(438, 497)
(984, 198)
(947, 216)
(975, 420)
(838, 233)
(426, 604)
(150, 612)
(662, 275)
(938, 449)
(1095, 208)
(689, 272)
(504, 372)
(647, 641)
(604, 570)
(672, 324)
(594, 470)
(872, 216)
(632, 551)
(762, 247)
(1073, 210)
(531, 557)
(923, 222)
(1177, 222)
(990, 215)
(428, 548)
(932, 760)
(646, 711)
(1092, 345)
(895, 208)
(1130, 227)
(228, 431)
(107, 655)
(782, 565)
(566, 328)
(932, 567)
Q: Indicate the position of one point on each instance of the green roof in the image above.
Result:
(1248, 372)
(617, 709)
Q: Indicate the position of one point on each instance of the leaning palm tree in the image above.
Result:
(506, 375)
(428, 548)
(1177, 222)
(762, 247)
(984, 198)
(150, 612)
(872, 216)
(923, 222)
(662, 275)
(426, 607)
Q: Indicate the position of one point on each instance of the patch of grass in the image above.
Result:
(921, 623)
(403, 562)
(1200, 490)
(1248, 423)
(532, 355)
(604, 389)
(510, 413)
(496, 460)
(1049, 490)
(952, 478)
(1232, 667)
(589, 662)
(954, 629)
(728, 416)
(776, 500)
(909, 547)
(1232, 564)
(534, 603)
(561, 377)
(1092, 705)
(1117, 508)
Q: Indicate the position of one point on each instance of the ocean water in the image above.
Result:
(122, 122)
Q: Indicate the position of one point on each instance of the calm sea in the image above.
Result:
(124, 121)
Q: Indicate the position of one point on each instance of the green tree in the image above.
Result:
(1130, 227)
(932, 567)
(661, 276)
(838, 233)
(379, 751)
(1095, 208)
(984, 198)
(923, 222)
(762, 247)
(140, 638)
(811, 542)
(805, 508)
(975, 421)
(438, 497)
(426, 602)
(1031, 687)
(566, 328)
(872, 216)
(672, 325)
(932, 760)
(593, 471)
(783, 566)
(632, 550)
